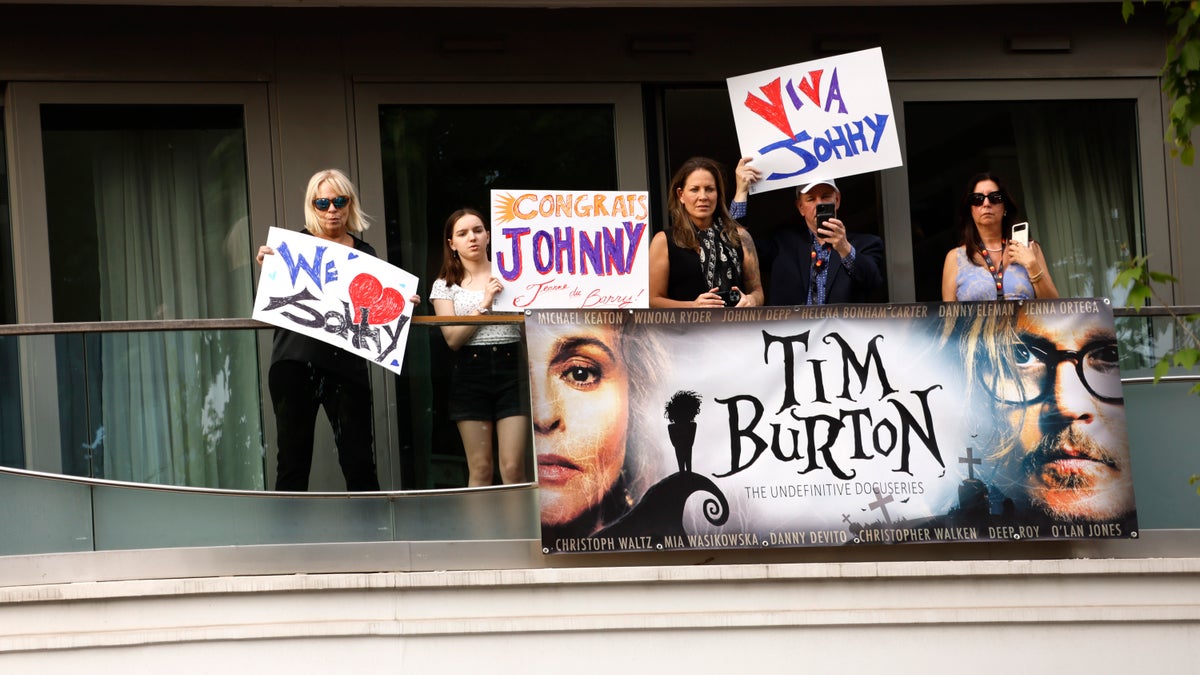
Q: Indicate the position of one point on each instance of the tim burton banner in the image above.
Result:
(571, 249)
(336, 294)
(819, 119)
(829, 426)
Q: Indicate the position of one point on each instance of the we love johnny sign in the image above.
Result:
(819, 119)
(571, 249)
(336, 294)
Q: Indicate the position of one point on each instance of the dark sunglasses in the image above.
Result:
(323, 204)
(993, 197)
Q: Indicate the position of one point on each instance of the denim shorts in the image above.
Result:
(488, 382)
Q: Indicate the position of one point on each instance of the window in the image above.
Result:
(436, 159)
(410, 138)
(1072, 165)
(698, 121)
(153, 201)
(135, 204)
(12, 451)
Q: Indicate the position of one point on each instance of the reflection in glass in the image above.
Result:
(1143, 340)
(12, 450)
(1072, 165)
(202, 432)
(437, 159)
(149, 204)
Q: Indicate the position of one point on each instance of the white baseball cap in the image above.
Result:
(803, 189)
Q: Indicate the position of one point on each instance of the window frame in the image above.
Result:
(1152, 156)
(31, 245)
(629, 139)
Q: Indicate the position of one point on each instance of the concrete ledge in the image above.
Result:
(525, 554)
(857, 600)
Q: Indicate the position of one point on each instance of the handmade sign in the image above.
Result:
(571, 249)
(819, 119)
(337, 295)
(829, 425)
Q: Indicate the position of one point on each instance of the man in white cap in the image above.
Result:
(819, 264)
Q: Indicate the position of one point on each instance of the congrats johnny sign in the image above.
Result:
(571, 249)
(337, 295)
(822, 426)
(819, 119)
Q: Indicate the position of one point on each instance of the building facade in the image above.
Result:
(148, 149)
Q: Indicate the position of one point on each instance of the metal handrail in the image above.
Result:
(162, 487)
(514, 317)
(1156, 310)
(163, 325)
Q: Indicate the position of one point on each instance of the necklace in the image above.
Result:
(997, 272)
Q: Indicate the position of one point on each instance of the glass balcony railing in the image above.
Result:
(185, 403)
(158, 434)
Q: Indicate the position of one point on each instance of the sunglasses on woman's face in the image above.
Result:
(993, 197)
(323, 204)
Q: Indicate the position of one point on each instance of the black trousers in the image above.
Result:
(297, 390)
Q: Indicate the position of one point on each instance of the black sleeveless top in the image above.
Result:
(291, 346)
(685, 280)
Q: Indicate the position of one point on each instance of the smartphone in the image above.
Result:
(1020, 232)
(824, 212)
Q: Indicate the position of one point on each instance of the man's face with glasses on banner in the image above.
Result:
(1058, 384)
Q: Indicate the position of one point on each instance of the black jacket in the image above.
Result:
(787, 256)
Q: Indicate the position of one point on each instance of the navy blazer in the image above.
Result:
(788, 256)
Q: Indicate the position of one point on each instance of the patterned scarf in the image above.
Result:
(719, 257)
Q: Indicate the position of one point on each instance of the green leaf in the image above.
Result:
(1126, 9)
(1187, 357)
(1185, 21)
(1138, 296)
(1188, 155)
(1163, 278)
(1195, 389)
(1161, 368)
(1129, 275)
(1190, 56)
(1179, 107)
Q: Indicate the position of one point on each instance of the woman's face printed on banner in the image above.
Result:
(580, 389)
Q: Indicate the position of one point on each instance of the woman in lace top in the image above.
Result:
(487, 396)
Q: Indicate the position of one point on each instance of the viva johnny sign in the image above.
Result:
(828, 426)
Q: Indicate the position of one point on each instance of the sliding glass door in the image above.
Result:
(1083, 158)
(429, 150)
(142, 212)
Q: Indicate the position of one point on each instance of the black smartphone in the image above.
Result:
(824, 212)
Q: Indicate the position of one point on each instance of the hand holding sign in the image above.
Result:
(332, 293)
(826, 118)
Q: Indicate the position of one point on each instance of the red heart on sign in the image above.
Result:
(382, 304)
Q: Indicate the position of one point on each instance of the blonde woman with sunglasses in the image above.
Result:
(307, 374)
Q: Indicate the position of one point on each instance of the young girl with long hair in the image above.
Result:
(486, 395)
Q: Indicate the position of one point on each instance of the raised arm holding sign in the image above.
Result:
(820, 119)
